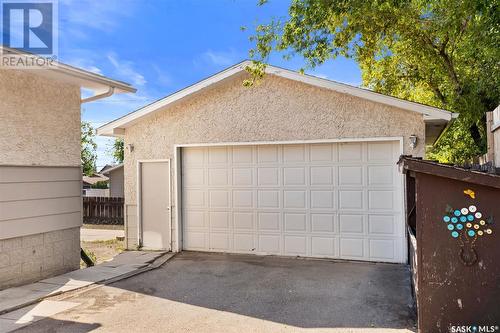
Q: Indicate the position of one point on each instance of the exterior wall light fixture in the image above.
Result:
(413, 141)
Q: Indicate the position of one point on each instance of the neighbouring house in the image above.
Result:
(493, 136)
(40, 168)
(104, 168)
(295, 165)
(89, 184)
(115, 180)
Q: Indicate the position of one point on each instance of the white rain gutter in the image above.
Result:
(108, 93)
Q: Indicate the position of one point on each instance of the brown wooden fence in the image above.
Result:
(103, 210)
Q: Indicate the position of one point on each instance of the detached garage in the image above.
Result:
(293, 166)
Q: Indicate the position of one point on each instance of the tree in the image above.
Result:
(88, 149)
(100, 184)
(444, 53)
(117, 150)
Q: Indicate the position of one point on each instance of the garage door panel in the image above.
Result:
(269, 221)
(196, 240)
(268, 154)
(294, 199)
(294, 154)
(333, 200)
(350, 175)
(296, 245)
(268, 199)
(194, 219)
(350, 199)
(350, 152)
(322, 199)
(322, 175)
(244, 242)
(323, 246)
(193, 157)
(268, 177)
(383, 249)
(294, 176)
(380, 151)
(352, 248)
(243, 198)
(243, 177)
(217, 155)
(219, 199)
(323, 223)
(242, 155)
(219, 241)
(381, 200)
(269, 244)
(219, 220)
(194, 177)
(243, 221)
(218, 177)
(194, 198)
(322, 152)
(350, 223)
(381, 175)
(382, 224)
(295, 222)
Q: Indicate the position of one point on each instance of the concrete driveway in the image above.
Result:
(199, 292)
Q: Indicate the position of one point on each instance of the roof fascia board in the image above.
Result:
(88, 76)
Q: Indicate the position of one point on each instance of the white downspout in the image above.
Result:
(108, 93)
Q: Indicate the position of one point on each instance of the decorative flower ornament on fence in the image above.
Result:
(467, 225)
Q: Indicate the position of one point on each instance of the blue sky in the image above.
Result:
(160, 46)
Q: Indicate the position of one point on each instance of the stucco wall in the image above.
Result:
(39, 120)
(40, 177)
(276, 110)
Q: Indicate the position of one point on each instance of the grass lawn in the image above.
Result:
(101, 251)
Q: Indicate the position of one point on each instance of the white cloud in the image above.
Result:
(99, 15)
(162, 77)
(103, 151)
(84, 63)
(125, 69)
(221, 58)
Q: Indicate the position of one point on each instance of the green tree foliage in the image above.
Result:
(88, 149)
(100, 184)
(444, 53)
(117, 150)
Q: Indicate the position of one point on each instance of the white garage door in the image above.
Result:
(334, 200)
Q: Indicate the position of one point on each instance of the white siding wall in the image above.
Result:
(39, 199)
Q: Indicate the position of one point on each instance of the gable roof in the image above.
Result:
(111, 169)
(117, 127)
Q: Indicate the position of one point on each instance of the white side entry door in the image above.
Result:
(154, 204)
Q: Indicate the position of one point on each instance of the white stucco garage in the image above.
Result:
(293, 166)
